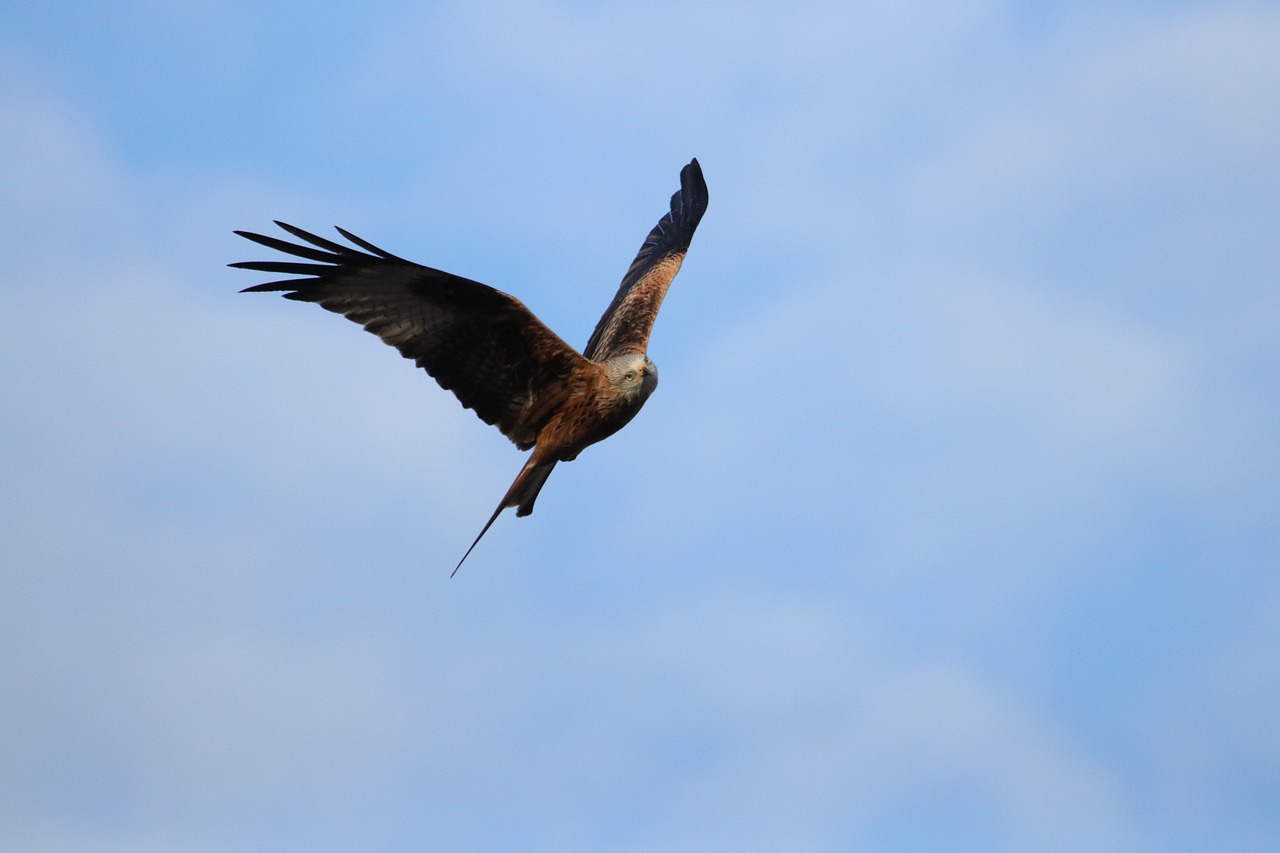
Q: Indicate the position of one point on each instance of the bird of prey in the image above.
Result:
(489, 349)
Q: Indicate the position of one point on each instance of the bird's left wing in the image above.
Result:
(625, 326)
(480, 343)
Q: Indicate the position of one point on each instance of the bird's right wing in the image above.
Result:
(480, 343)
(625, 326)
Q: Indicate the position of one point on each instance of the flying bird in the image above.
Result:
(486, 347)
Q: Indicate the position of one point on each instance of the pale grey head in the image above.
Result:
(634, 376)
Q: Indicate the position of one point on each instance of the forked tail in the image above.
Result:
(523, 492)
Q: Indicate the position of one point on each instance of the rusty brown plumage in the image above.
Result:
(628, 320)
(486, 347)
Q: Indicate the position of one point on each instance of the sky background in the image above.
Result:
(953, 525)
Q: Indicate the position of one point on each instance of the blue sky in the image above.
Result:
(952, 526)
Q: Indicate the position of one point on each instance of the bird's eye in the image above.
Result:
(630, 376)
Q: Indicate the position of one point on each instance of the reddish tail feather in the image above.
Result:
(523, 492)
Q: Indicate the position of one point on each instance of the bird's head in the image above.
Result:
(635, 376)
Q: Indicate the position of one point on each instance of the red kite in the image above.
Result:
(490, 350)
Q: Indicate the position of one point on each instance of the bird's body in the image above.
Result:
(490, 350)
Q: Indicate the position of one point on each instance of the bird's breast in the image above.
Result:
(586, 418)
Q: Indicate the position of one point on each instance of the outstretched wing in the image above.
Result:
(625, 326)
(480, 343)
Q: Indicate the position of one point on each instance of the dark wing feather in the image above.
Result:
(480, 343)
(626, 324)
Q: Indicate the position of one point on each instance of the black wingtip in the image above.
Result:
(273, 286)
(327, 257)
(693, 185)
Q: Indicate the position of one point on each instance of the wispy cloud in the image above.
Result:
(951, 526)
